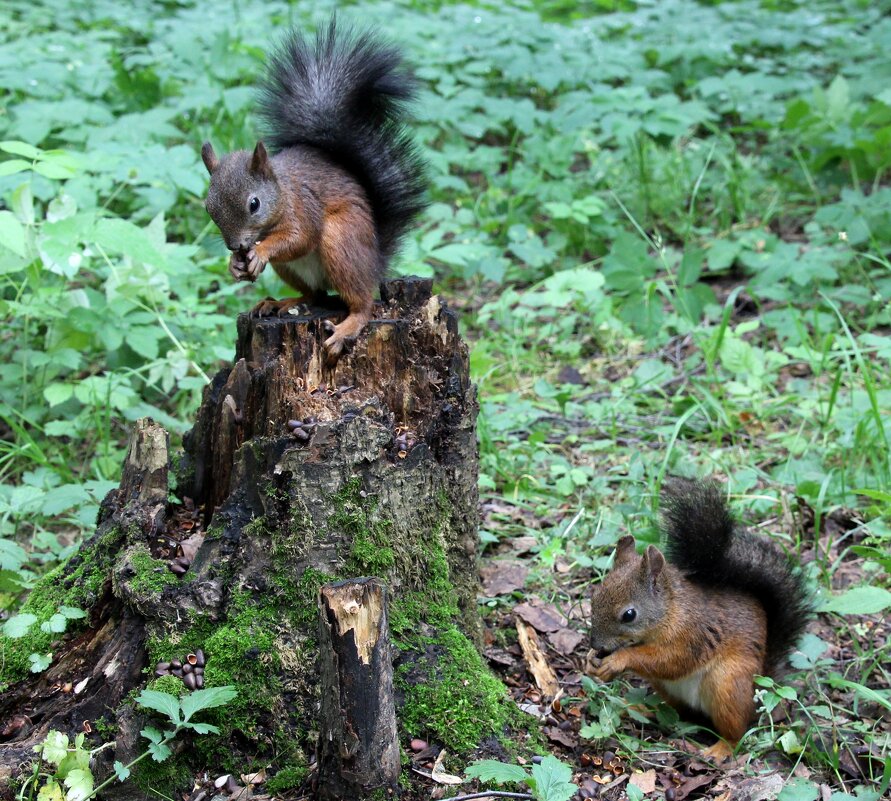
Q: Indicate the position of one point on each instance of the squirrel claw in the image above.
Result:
(329, 327)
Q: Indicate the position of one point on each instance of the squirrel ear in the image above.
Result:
(653, 563)
(624, 549)
(209, 157)
(260, 162)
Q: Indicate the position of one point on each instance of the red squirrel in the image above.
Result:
(724, 607)
(329, 208)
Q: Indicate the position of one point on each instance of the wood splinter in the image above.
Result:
(358, 745)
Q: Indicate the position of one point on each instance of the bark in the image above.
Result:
(292, 476)
(358, 746)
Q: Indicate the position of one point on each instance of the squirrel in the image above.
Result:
(724, 607)
(329, 208)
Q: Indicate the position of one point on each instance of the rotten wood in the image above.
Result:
(358, 746)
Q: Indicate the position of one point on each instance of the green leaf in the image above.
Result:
(79, 783)
(21, 149)
(12, 166)
(207, 699)
(797, 789)
(790, 743)
(491, 770)
(203, 728)
(57, 393)
(159, 751)
(54, 747)
(40, 662)
(55, 625)
(164, 703)
(51, 791)
(858, 601)
(72, 612)
(121, 771)
(12, 233)
(552, 780)
(19, 625)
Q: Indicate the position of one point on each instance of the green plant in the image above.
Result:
(69, 763)
(549, 779)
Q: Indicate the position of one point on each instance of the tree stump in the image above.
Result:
(292, 477)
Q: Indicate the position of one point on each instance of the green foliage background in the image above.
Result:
(667, 224)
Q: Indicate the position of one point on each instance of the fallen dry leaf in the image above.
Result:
(503, 576)
(645, 781)
(565, 641)
(542, 617)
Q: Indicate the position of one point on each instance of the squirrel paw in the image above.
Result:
(238, 267)
(610, 667)
(721, 751)
(270, 307)
(254, 266)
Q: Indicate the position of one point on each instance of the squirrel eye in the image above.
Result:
(254, 205)
(629, 614)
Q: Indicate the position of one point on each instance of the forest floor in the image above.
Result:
(667, 228)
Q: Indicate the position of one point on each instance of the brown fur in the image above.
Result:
(681, 632)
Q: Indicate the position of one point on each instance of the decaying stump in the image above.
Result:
(292, 477)
(358, 746)
(93, 670)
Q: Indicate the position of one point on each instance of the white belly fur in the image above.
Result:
(686, 690)
(309, 269)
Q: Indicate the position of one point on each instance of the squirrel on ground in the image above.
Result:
(726, 606)
(329, 208)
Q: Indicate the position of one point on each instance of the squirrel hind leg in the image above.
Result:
(720, 752)
(342, 335)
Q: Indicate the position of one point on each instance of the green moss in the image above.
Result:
(79, 583)
(151, 575)
(370, 534)
(454, 696)
(287, 779)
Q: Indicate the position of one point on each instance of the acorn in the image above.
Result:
(199, 657)
(175, 663)
(199, 679)
(301, 434)
(187, 668)
(175, 567)
(162, 669)
(292, 424)
(190, 681)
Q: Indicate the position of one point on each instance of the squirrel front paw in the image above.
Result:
(238, 267)
(255, 264)
(610, 667)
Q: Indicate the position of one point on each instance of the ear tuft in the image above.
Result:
(209, 158)
(260, 165)
(625, 549)
(653, 564)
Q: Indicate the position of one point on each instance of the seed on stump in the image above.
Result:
(301, 434)
(292, 424)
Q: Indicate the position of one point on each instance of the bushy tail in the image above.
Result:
(345, 94)
(705, 543)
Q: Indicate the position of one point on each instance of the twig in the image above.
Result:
(493, 794)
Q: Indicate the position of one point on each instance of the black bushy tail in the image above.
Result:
(345, 94)
(703, 540)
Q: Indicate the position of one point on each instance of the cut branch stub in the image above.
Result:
(358, 745)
